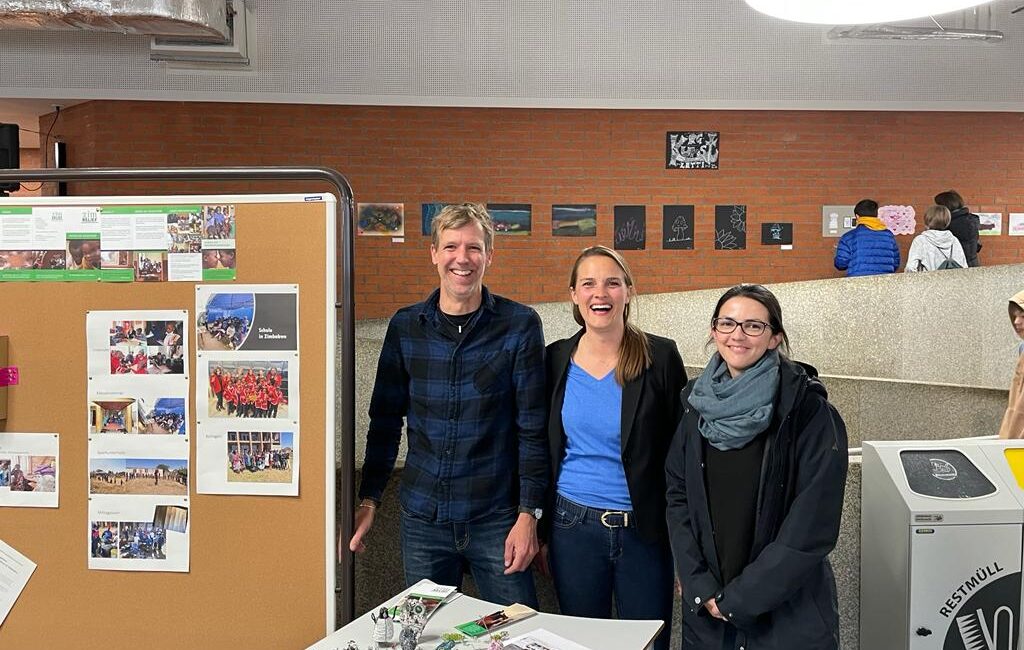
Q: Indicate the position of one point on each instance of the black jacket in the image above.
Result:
(785, 598)
(964, 225)
(650, 413)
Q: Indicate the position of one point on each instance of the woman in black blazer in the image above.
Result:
(614, 408)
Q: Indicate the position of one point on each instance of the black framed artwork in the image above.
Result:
(730, 227)
(776, 233)
(691, 150)
(677, 228)
(630, 227)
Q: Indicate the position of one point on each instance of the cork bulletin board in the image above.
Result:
(262, 568)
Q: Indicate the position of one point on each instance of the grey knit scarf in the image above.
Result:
(735, 410)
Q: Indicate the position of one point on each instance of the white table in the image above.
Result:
(594, 633)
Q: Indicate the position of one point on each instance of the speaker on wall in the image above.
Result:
(10, 153)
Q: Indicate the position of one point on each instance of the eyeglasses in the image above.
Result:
(749, 327)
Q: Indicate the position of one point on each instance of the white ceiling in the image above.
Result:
(717, 54)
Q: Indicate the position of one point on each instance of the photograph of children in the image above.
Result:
(167, 333)
(141, 540)
(185, 231)
(226, 320)
(151, 266)
(105, 539)
(112, 415)
(45, 260)
(83, 254)
(164, 415)
(116, 259)
(248, 389)
(219, 259)
(33, 474)
(5, 472)
(260, 456)
(218, 222)
(138, 476)
(165, 360)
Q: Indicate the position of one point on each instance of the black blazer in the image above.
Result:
(650, 414)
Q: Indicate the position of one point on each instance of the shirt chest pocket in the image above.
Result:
(492, 373)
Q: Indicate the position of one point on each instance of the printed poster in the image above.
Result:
(29, 470)
(137, 422)
(247, 390)
(117, 243)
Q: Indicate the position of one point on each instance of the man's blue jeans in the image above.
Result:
(593, 562)
(439, 552)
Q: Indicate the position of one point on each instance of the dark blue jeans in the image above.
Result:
(593, 562)
(439, 552)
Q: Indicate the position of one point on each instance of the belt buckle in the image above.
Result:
(606, 513)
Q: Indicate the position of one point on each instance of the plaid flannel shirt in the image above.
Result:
(476, 412)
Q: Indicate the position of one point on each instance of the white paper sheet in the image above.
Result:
(29, 470)
(138, 421)
(542, 640)
(247, 390)
(15, 570)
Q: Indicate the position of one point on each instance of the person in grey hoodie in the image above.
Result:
(935, 248)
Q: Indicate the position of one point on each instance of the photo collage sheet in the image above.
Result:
(247, 389)
(138, 421)
(28, 470)
(117, 243)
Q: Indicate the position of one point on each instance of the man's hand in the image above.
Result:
(712, 608)
(521, 544)
(364, 522)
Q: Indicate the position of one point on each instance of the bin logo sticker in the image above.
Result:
(989, 618)
(943, 470)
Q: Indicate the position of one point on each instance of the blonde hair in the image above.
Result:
(457, 216)
(937, 217)
(635, 349)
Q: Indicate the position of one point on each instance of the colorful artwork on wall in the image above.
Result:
(730, 227)
(427, 213)
(630, 227)
(574, 220)
(381, 219)
(511, 218)
(900, 219)
(677, 227)
(991, 223)
(691, 150)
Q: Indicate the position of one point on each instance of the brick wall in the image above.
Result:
(784, 165)
(28, 159)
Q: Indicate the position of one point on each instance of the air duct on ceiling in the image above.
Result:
(195, 19)
(898, 32)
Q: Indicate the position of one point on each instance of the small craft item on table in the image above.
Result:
(494, 620)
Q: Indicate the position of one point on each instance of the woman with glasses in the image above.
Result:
(756, 475)
(614, 408)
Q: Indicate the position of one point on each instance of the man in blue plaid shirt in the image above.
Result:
(466, 369)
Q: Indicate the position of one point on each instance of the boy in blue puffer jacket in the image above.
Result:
(870, 248)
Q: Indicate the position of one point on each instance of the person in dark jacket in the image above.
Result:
(614, 407)
(755, 481)
(870, 248)
(963, 224)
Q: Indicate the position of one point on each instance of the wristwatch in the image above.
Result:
(536, 513)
